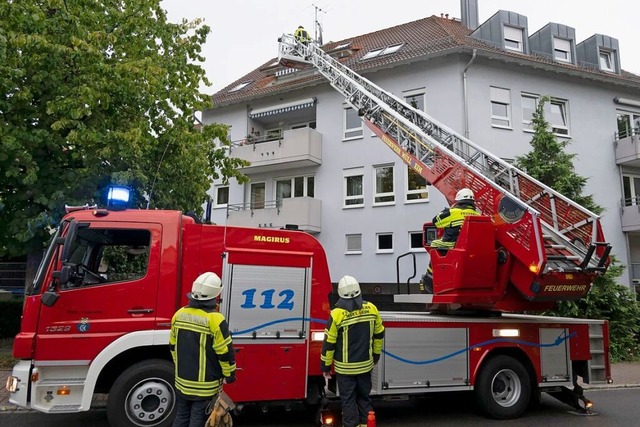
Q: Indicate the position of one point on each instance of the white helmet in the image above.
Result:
(206, 287)
(348, 287)
(465, 194)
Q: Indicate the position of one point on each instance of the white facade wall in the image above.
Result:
(592, 123)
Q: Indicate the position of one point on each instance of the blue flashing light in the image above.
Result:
(118, 197)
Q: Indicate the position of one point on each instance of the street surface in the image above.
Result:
(616, 407)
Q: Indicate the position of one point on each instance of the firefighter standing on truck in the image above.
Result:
(450, 220)
(353, 341)
(202, 352)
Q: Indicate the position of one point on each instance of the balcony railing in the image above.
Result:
(627, 145)
(303, 212)
(631, 214)
(292, 148)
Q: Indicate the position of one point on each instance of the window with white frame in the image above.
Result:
(558, 117)
(415, 98)
(352, 191)
(500, 107)
(353, 244)
(299, 186)
(513, 38)
(631, 189)
(384, 243)
(562, 50)
(221, 199)
(416, 187)
(606, 60)
(352, 124)
(383, 185)
(415, 241)
(529, 105)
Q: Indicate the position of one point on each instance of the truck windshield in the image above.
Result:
(36, 285)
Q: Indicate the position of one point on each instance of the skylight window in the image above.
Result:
(384, 51)
(240, 86)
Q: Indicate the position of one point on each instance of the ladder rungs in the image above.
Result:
(562, 257)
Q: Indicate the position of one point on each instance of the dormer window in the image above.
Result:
(606, 61)
(562, 50)
(513, 38)
(384, 51)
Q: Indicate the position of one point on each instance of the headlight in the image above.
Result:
(12, 384)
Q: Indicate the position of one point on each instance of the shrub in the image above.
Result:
(10, 312)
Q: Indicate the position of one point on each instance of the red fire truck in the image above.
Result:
(96, 318)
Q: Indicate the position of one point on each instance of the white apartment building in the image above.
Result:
(314, 165)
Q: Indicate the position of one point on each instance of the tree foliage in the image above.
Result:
(98, 92)
(549, 164)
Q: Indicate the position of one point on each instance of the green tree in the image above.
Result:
(548, 163)
(551, 165)
(93, 93)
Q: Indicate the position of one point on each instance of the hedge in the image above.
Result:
(10, 312)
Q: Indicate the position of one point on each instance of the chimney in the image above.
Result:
(469, 13)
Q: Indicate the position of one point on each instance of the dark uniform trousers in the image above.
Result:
(354, 395)
(191, 413)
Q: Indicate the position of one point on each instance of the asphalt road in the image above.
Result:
(615, 407)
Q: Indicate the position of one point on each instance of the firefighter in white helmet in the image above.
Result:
(202, 351)
(353, 341)
(450, 220)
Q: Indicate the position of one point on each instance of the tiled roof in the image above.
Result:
(421, 39)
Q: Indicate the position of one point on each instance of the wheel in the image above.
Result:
(503, 388)
(143, 396)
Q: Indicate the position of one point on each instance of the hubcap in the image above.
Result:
(149, 402)
(506, 388)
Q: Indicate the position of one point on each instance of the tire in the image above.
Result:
(143, 396)
(503, 388)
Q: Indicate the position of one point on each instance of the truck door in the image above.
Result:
(111, 291)
(266, 303)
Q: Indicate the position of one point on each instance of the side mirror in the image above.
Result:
(64, 275)
(49, 298)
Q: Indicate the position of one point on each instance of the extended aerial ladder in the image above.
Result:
(547, 247)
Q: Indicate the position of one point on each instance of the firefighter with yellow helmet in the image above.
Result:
(353, 341)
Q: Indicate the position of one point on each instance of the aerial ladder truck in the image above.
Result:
(531, 246)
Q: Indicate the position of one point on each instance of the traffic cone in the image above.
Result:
(371, 419)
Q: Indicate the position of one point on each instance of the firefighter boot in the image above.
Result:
(426, 284)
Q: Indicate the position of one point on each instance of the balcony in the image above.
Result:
(628, 148)
(290, 149)
(304, 212)
(631, 214)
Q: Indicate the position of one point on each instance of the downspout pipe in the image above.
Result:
(466, 95)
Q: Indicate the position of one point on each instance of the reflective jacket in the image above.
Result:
(202, 350)
(451, 219)
(301, 35)
(353, 336)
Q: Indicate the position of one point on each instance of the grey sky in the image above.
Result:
(244, 33)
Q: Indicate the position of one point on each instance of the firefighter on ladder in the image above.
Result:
(202, 352)
(353, 341)
(450, 220)
(302, 35)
